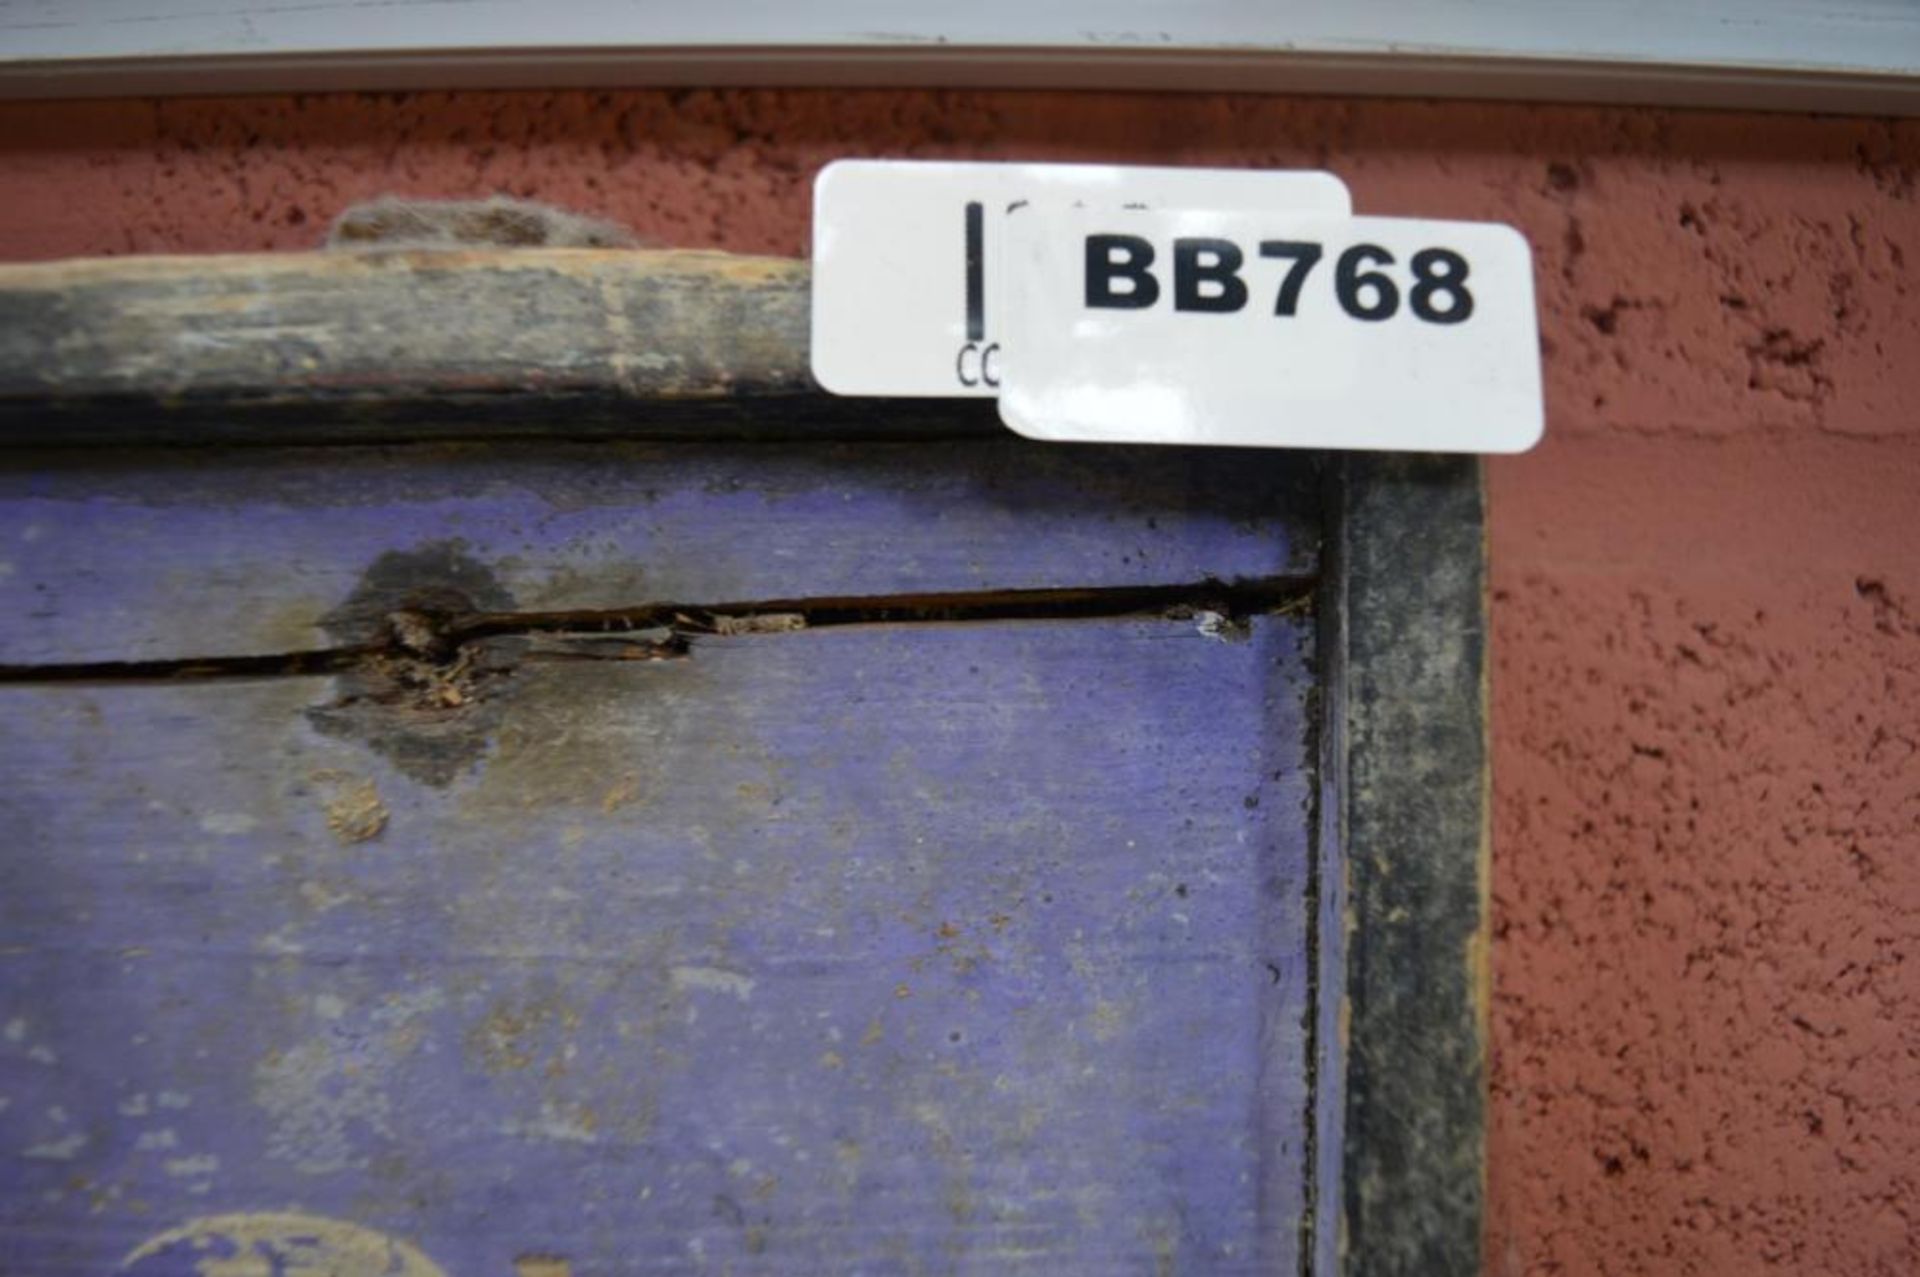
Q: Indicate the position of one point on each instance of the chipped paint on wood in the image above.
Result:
(280, 551)
(650, 941)
(833, 816)
(542, 1266)
(275, 1244)
(354, 810)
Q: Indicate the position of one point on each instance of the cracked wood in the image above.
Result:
(965, 923)
(162, 555)
(424, 344)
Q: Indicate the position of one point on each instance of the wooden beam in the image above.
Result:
(1404, 629)
(399, 344)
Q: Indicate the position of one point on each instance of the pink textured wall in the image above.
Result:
(1707, 580)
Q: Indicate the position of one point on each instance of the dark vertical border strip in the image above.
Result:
(1411, 568)
(976, 272)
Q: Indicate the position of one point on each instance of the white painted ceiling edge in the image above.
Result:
(1857, 56)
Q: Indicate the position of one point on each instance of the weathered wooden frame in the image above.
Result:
(574, 344)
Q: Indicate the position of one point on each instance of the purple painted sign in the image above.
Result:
(967, 947)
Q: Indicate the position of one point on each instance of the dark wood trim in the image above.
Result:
(1407, 597)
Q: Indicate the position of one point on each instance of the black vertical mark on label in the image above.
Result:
(976, 272)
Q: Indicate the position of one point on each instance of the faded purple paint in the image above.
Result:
(172, 554)
(970, 949)
(916, 949)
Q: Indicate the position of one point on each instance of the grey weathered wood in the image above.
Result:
(422, 344)
(1404, 632)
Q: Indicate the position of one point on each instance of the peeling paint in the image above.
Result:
(314, 1096)
(354, 810)
(231, 823)
(322, 898)
(282, 1245)
(192, 1167)
(61, 1150)
(565, 1123)
(430, 713)
(542, 1266)
(712, 980)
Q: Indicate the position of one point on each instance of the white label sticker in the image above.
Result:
(906, 256)
(1269, 330)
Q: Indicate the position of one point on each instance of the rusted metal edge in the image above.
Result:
(402, 345)
(1404, 613)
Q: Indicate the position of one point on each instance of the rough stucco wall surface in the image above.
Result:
(1707, 581)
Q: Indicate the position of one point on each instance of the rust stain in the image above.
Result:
(964, 958)
(510, 1038)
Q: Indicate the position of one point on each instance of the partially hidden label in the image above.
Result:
(908, 257)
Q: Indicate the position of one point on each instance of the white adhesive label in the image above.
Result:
(1267, 328)
(907, 256)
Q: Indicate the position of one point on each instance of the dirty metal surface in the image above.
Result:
(940, 939)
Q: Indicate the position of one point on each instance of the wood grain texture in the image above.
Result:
(969, 949)
(598, 939)
(415, 344)
(1408, 586)
(167, 554)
